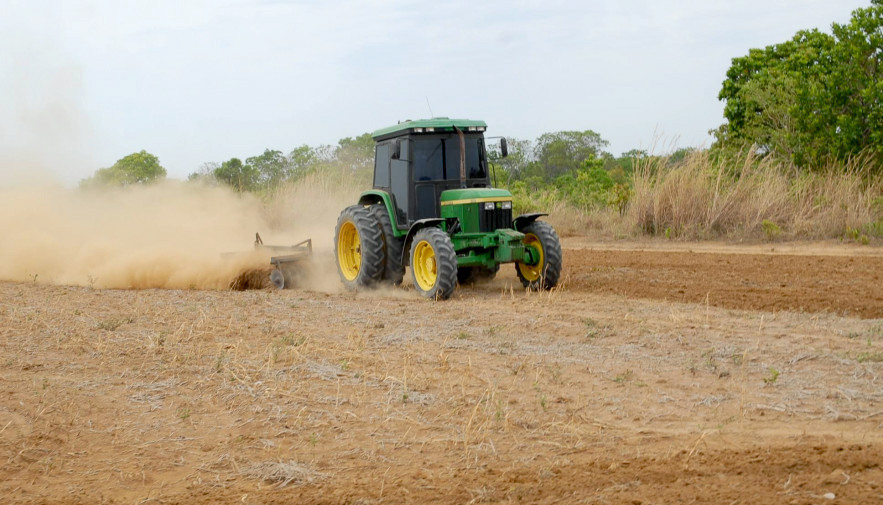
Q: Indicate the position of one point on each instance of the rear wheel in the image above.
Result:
(433, 263)
(359, 248)
(545, 273)
(393, 271)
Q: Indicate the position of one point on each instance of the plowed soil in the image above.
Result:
(810, 279)
(655, 374)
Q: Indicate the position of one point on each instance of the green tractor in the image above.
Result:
(433, 208)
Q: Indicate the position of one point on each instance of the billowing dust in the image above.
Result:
(173, 235)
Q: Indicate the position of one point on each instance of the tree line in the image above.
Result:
(809, 102)
(813, 100)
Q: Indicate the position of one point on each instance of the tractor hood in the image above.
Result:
(474, 195)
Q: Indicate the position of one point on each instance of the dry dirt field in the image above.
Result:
(657, 374)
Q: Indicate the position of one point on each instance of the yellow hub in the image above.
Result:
(424, 265)
(533, 272)
(349, 251)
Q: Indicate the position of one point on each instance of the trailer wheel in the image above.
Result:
(433, 263)
(277, 278)
(545, 273)
(359, 246)
(393, 271)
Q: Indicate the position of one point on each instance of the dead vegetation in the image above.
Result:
(740, 198)
(702, 197)
(497, 395)
(252, 278)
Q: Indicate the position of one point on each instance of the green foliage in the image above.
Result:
(771, 230)
(772, 377)
(351, 158)
(271, 168)
(588, 187)
(356, 153)
(514, 165)
(560, 153)
(619, 196)
(136, 168)
(567, 167)
(870, 357)
(238, 176)
(812, 99)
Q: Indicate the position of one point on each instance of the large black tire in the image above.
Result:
(471, 275)
(546, 273)
(359, 247)
(393, 270)
(433, 263)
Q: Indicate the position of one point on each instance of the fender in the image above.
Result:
(375, 196)
(525, 219)
(379, 196)
(417, 226)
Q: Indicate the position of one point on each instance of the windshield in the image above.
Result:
(437, 158)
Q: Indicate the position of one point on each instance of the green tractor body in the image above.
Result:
(436, 211)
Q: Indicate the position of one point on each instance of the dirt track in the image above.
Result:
(610, 390)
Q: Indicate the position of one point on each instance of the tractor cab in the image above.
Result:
(416, 161)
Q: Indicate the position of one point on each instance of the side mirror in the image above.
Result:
(504, 147)
(396, 149)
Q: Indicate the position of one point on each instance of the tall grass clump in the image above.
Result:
(316, 198)
(744, 196)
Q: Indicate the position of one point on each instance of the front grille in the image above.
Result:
(490, 220)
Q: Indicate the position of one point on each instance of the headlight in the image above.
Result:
(507, 205)
(488, 205)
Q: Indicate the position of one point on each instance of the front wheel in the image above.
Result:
(433, 263)
(544, 274)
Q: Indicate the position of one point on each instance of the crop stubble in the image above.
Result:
(593, 393)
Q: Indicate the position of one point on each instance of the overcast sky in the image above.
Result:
(84, 83)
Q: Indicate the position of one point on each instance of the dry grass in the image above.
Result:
(745, 198)
(219, 392)
(315, 199)
(698, 198)
(282, 473)
(750, 198)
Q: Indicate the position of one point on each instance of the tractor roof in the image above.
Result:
(434, 125)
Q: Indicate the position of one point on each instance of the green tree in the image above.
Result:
(622, 168)
(513, 166)
(857, 82)
(302, 159)
(205, 173)
(356, 153)
(238, 176)
(136, 168)
(563, 152)
(813, 98)
(588, 186)
(271, 167)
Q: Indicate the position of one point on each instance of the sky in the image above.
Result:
(85, 83)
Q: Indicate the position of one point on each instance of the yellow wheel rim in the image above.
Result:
(424, 265)
(349, 251)
(533, 272)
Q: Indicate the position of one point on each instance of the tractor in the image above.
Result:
(433, 209)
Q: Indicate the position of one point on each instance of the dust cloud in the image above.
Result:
(170, 235)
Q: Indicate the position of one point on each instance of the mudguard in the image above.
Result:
(417, 226)
(525, 219)
(375, 196)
